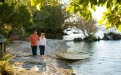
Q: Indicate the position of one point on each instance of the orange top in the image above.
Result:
(34, 40)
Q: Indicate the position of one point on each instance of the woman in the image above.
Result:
(42, 44)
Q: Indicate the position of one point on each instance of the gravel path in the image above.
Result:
(26, 64)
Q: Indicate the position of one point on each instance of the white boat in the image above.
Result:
(71, 56)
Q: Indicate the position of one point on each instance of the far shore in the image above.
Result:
(26, 64)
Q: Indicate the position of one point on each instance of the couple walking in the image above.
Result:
(35, 41)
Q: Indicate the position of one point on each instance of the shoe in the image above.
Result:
(41, 57)
(35, 56)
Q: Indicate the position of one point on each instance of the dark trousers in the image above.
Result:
(42, 49)
(34, 50)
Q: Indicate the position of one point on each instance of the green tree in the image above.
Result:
(15, 15)
(6, 13)
(22, 17)
(50, 17)
(112, 15)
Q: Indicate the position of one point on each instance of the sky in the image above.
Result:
(99, 12)
(65, 1)
(98, 15)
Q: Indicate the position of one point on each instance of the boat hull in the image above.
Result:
(71, 56)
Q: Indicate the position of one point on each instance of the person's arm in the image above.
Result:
(39, 41)
(31, 41)
(45, 42)
(38, 38)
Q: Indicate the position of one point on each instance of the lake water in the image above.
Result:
(105, 58)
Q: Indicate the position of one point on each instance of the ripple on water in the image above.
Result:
(105, 58)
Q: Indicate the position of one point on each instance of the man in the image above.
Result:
(34, 42)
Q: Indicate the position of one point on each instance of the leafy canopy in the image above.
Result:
(50, 17)
(41, 3)
(15, 14)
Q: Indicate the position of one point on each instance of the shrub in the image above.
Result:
(77, 39)
(90, 38)
(5, 67)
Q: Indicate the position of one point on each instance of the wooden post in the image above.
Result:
(0, 49)
(4, 47)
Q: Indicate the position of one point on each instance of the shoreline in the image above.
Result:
(49, 65)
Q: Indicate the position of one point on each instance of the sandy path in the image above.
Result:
(29, 65)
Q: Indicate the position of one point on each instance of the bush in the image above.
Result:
(77, 39)
(5, 67)
(49, 36)
(8, 41)
(90, 38)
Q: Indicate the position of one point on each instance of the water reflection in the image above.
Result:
(80, 46)
(105, 58)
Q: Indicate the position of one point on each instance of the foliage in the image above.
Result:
(14, 15)
(112, 15)
(82, 7)
(6, 13)
(40, 3)
(5, 67)
(50, 19)
(23, 17)
(91, 38)
(8, 42)
(77, 39)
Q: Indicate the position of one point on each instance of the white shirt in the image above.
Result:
(42, 41)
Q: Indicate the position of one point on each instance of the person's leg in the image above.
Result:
(43, 51)
(40, 49)
(32, 50)
(35, 50)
